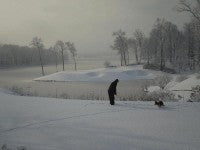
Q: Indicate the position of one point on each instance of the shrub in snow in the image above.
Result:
(153, 88)
(107, 64)
(17, 90)
(145, 85)
(4, 147)
(163, 95)
(91, 96)
(145, 97)
(156, 67)
(169, 70)
(195, 95)
(163, 80)
(64, 96)
(20, 91)
(155, 96)
(151, 66)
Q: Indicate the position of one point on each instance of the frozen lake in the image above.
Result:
(23, 78)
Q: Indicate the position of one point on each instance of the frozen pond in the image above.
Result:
(22, 79)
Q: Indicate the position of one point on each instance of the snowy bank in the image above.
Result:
(184, 88)
(100, 75)
(52, 124)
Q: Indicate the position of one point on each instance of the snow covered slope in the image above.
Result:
(54, 124)
(183, 88)
(103, 74)
(187, 84)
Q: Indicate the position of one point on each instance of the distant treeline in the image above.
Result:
(37, 54)
(15, 55)
(166, 46)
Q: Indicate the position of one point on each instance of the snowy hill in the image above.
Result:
(102, 74)
(52, 124)
(184, 88)
(187, 84)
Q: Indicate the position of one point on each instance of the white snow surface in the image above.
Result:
(154, 89)
(55, 124)
(187, 84)
(100, 75)
(183, 88)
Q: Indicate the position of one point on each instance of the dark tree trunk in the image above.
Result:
(63, 60)
(41, 62)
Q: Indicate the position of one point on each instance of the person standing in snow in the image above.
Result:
(112, 91)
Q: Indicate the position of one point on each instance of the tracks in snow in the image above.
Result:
(60, 119)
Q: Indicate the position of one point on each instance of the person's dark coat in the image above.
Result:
(112, 91)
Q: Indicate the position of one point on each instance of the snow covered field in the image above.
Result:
(102, 74)
(52, 124)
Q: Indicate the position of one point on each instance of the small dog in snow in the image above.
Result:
(159, 103)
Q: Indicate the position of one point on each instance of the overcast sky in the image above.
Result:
(87, 23)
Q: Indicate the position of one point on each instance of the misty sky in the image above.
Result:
(87, 23)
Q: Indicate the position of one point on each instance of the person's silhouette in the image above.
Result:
(112, 91)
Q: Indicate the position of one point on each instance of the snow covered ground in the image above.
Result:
(184, 87)
(55, 124)
(102, 74)
(181, 89)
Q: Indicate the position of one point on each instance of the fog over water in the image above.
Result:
(88, 23)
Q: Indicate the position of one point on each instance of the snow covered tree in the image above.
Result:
(192, 8)
(192, 31)
(164, 41)
(146, 51)
(135, 44)
(121, 45)
(37, 44)
(195, 95)
(139, 40)
(60, 46)
(172, 41)
(158, 39)
(163, 80)
(73, 51)
(55, 53)
(132, 46)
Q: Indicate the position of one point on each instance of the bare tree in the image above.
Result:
(132, 46)
(121, 45)
(163, 80)
(139, 39)
(60, 46)
(193, 9)
(37, 44)
(55, 53)
(73, 51)
(146, 51)
(158, 40)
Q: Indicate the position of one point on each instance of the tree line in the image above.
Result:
(166, 46)
(59, 50)
(37, 54)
